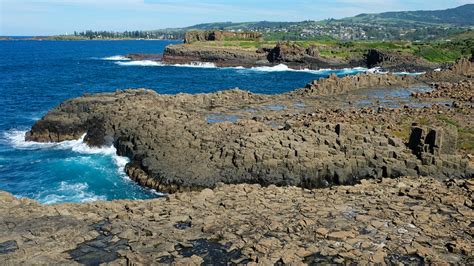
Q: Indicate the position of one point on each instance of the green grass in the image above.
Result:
(438, 52)
(465, 135)
(448, 120)
(437, 55)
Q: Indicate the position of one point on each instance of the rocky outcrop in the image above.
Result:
(173, 148)
(296, 56)
(216, 35)
(397, 61)
(224, 57)
(459, 91)
(334, 85)
(290, 54)
(462, 69)
(414, 220)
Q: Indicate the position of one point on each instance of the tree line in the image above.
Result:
(129, 35)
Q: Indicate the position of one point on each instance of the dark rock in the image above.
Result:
(8, 247)
(212, 252)
(396, 61)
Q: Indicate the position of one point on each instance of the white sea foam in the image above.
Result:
(16, 138)
(409, 73)
(277, 68)
(160, 64)
(285, 68)
(139, 63)
(116, 58)
(197, 65)
(76, 192)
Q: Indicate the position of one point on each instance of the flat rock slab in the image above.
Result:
(406, 220)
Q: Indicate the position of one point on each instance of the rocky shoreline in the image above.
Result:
(254, 177)
(292, 55)
(174, 144)
(409, 221)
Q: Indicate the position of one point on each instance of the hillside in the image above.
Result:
(404, 25)
(459, 16)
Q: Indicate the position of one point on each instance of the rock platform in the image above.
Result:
(410, 220)
(308, 138)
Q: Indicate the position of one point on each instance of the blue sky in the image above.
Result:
(45, 17)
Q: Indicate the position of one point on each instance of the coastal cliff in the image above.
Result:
(188, 142)
(283, 53)
(293, 55)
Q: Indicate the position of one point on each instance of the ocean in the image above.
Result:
(36, 76)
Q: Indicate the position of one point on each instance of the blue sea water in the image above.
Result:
(36, 76)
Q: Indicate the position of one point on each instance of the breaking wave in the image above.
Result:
(116, 58)
(156, 63)
(76, 192)
(17, 140)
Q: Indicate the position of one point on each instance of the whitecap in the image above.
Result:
(409, 73)
(277, 68)
(324, 71)
(140, 63)
(159, 64)
(116, 58)
(67, 192)
(197, 65)
(16, 138)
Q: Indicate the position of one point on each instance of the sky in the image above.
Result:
(50, 17)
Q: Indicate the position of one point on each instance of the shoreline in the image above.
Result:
(311, 168)
(293, 55)
(230, 164)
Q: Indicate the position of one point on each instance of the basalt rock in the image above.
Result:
(462, 69)
(458, 72)
(225, 57)
(397, 61)
(173, 148)
(290, 54)
(334, 85)
(296, 56)
(386, 221)
(460, 91)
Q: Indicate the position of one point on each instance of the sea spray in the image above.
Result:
(78, 163)
(116, 58)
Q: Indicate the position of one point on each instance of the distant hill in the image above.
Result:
(459, 16)
(456, 23)
(462, 16)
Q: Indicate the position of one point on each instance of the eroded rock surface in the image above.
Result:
(173, 147)
(290, 54)
(407, 220)
(176, 142)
